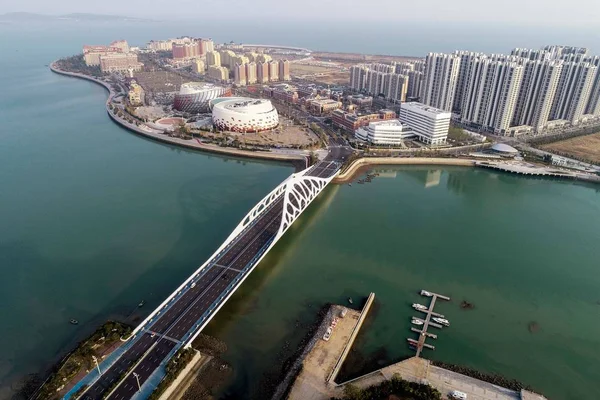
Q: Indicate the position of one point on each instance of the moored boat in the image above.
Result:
(416, 322)
(426, 293)
(419, 307)
(441, 321)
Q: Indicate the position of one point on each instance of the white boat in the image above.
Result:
(441, 321)
(327, 334)
(426, 293)
(420, 307)
(416, 322)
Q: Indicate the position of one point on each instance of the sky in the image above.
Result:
(576, 13)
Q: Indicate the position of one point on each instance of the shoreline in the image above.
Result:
(359, 165)
(188, 144)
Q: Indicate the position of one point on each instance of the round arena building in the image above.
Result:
(193, 97)
(244, 114)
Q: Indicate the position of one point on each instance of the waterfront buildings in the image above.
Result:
(191, 48)
(391, 133)
(284, 70)
(120, 62)
(440, 79)
(350, 121)
(429, 124)
(251, 73)
(92, 53)
(321, 106)
(135, 94)
(262, 72)
(194, 97)
(218, 73)
(213, 58)
(379, 79)
(491, 95)
(528, 91)
(240, 114)
(199, 66)
(273, 71)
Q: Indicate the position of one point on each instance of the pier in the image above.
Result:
(423, 334)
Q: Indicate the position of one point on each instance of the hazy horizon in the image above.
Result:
(547, 13)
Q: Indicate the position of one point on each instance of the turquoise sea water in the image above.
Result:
(94, 219)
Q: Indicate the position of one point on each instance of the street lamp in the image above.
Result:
(97, 365)
(137, 378)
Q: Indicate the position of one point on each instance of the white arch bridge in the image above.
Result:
(182, 316)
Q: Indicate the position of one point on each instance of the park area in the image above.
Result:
(584, 148)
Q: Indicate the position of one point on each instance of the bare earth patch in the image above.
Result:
(286, 135)
(582, 147)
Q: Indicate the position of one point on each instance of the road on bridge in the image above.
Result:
(173, 326)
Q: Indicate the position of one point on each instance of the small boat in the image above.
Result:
(142, 303)
(419, 307)
(327, 334)
(350, 300)
(73, 322)
(441, 321)
(426, 293)
(349, 184)
(416, 322)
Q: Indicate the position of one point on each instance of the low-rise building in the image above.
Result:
(136, 94)
(120, 62)
(430, 124)
(389, 133)
(322, 106)
(350, 122)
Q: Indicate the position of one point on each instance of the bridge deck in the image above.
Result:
(192, 306)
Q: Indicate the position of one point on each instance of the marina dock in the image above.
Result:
(423, 334)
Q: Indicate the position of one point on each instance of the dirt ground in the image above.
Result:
(582, 147)
(286, 135)
(318, 73)
(160, 81)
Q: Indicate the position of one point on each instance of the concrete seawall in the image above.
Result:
(361, 320)
(361, 163)
(188, 144)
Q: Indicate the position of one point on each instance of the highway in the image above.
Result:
(172, 326)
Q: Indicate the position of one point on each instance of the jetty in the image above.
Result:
(420, 343)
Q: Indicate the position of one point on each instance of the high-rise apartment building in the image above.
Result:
(395, 87)
(185, 50)
(218, 73)
(213, 58)
(492, 89)
(466, 58)
(262, 72)
(251, 73)
(199, 66)
(537, 91)
(358, 77)
(573, 91)
(226, 56)
(264, 58)
(239, 75)
(441, 75)
(284, 70)
(273, 71)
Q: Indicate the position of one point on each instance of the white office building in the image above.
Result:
(384, 133)
(430, 124)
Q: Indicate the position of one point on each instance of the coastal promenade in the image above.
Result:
(193, 144)
(508, 166)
